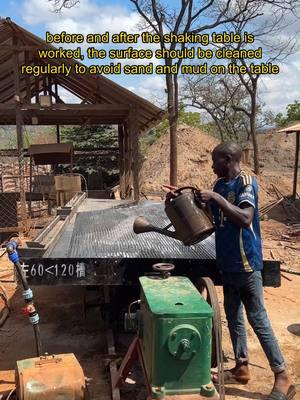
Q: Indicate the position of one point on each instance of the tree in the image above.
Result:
(210, 94)
(293, 114)
(265, 30)
(184, 18)
(194, 17)
(90, 138)
(185, 117)
(58, 5)
(232, 101)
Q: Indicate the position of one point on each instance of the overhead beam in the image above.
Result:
(19, 129)
(296, 167)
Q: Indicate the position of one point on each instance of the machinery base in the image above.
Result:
(186, 397)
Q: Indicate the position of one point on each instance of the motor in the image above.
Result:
(190, 219)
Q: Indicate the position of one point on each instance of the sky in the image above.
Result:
(99, 16)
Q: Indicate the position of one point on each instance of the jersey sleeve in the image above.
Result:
(247, 195)
(247, 192)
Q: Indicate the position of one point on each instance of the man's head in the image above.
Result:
(226, 158)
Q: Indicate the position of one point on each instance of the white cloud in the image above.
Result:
(151, 88)
(84, 18)
(276, 91)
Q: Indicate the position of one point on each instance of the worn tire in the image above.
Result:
(207, 289)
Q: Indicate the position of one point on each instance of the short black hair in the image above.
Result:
(229, 148)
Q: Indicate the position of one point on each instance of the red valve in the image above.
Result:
(25, 311)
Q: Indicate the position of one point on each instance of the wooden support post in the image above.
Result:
(126, 161)
(57, 134)
(135, 156)
(37, 89)
(57, 126)
(19, 129)
(72, 160)
(121, 160)
(296, 165)
(27, 80)
(50, 88)
(45, 85)
(130, 179)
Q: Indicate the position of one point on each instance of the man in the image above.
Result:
(234, 204)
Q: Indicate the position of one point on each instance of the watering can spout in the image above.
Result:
(142, 225)
(191, 222)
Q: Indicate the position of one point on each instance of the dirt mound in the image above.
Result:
(194, 162)
(277, 151)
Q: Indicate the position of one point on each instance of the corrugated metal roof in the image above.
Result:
(293, 128)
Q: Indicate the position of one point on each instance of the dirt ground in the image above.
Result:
(64, 328)
(194, 162)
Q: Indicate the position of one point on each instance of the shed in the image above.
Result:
(51, 153)
(22, 100)
(294, 129)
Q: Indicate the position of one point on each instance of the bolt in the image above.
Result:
(174, 334)
(174, 353)
(185, 344)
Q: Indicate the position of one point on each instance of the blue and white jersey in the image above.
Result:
(237, 249)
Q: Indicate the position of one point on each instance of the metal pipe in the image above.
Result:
(29, 309)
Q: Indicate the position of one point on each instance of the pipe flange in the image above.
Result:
(184, 341)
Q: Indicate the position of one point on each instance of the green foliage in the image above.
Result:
(189, 118)
(31, 135)
(154, 134)
(93, 137)
(184, 117)
(293, 111)
(293, 114)
(211, 129)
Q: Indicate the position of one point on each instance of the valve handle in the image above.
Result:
(164, 269)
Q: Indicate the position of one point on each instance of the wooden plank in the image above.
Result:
(130, 152)
(296, 165)
(27, 81)
(126, 161)
(19, 129)
(119, 107)
(135, 155)
(115, 392)
(11, 229)
(121, 159)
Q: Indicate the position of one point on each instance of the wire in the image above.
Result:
(131, 304)
(10, 394)
(1, 255)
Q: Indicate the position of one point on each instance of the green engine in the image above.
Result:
(175, 330)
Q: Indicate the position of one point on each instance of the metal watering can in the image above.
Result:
(190, 220)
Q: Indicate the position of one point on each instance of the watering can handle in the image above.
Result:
(193, 189)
